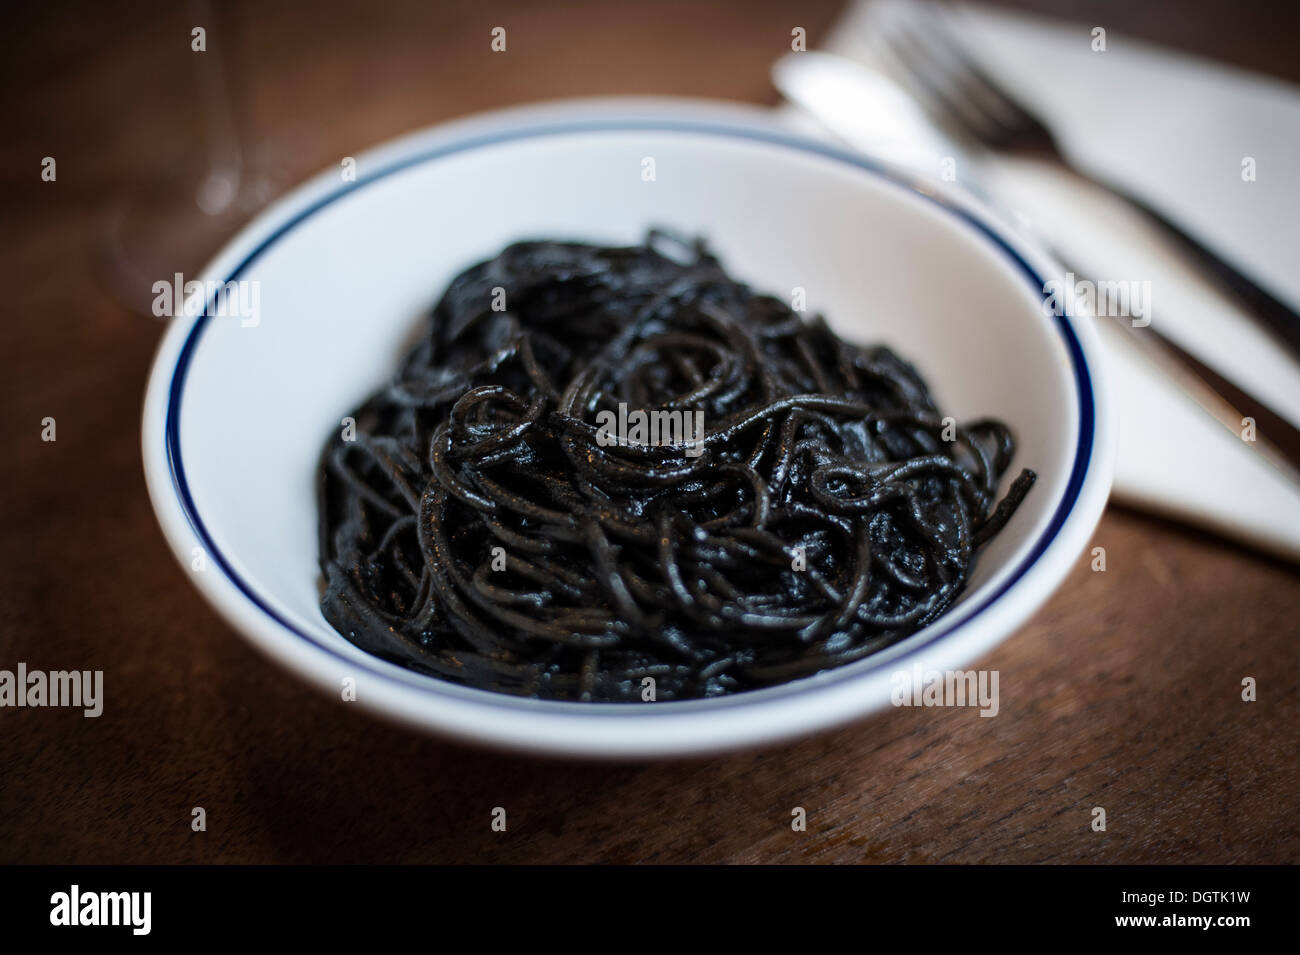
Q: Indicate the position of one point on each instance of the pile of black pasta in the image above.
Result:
(474, 527)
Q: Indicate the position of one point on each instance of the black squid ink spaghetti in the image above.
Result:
(482, 526)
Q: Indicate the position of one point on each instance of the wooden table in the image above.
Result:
(1124, 692)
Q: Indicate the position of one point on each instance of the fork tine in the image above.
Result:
(921, 67)
(920, 39)
(939, 17)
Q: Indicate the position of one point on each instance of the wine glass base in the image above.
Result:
(174, 227)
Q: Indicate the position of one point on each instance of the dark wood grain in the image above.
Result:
(1124, 692)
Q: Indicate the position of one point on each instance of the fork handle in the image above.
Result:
(1277, 315)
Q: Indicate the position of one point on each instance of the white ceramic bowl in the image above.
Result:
(236, 413)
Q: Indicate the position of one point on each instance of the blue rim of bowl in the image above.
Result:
(1083, 382)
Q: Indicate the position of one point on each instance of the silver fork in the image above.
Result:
(930, 59)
